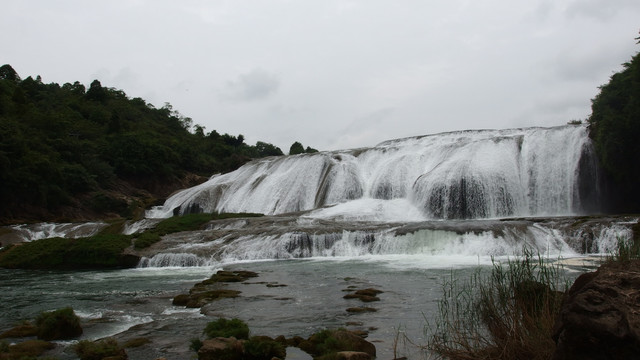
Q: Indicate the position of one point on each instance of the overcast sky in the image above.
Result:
(333, 74)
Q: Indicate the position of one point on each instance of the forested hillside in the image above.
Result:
(68, 151)
(614, 126)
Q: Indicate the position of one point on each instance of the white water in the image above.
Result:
(469, 174)
(31, 232)
(432, 243)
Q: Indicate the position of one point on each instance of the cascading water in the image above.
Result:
(458, 175)
(468, 242)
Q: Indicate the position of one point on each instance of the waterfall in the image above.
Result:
(287, 237)
(456, 175)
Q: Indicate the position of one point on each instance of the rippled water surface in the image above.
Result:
(289, 297)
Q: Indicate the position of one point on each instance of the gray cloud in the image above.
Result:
(431, 66)
(257, 84)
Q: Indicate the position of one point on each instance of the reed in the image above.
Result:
(506, 314)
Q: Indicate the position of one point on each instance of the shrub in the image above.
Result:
(196, 344)
(508, 314)
(58, 325)
(227, 328)
(88, 350)
(263, 348)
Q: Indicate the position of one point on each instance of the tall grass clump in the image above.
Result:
(506, 314)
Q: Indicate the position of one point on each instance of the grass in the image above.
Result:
(507, 314)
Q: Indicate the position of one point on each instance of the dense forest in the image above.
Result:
(68, 151)
(614, 126)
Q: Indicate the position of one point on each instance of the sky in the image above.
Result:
(333, 74)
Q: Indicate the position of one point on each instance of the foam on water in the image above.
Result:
(31, 232)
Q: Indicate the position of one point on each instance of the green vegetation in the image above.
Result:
(263, 348)
(27, 350)
(99, 350)
(325, 344)
(99, 251)
(227, 328)
(25, 329)
(68, 147)
(614, 126)
(62, 324)
(297, 148)
(104, 250)
(508, 314)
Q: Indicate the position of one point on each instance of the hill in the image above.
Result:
(67, 152)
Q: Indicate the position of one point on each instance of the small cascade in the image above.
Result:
(173, 260)
(459, 175)
(139, 226)
(31, 232)
(287, 238)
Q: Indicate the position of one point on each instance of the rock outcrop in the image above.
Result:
(600, 316)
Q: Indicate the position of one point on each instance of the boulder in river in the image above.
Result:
(600, 316)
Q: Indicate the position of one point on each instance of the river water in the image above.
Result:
(289, 297)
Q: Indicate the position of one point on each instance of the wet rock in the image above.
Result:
(352, 355)
(365, 295)
(600, 317)
(333, 341)
(200, 298)
(221, 348)
(209, 290)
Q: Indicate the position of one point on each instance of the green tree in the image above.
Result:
(614, 126)
(296, 148)
(7, 73)
(96, 91)
(265, 149)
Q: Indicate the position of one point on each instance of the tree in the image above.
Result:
(614, 126)
(7, 73)
(265, 149)
(96, 92)
(296, 148)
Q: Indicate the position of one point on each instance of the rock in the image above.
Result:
(327, 342)
(365, 295)
(352, 355)
(221, 348)
(600, 317)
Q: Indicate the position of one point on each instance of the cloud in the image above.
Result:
(255, 85)
(602, 10)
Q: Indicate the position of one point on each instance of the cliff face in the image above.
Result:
(600, 317)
